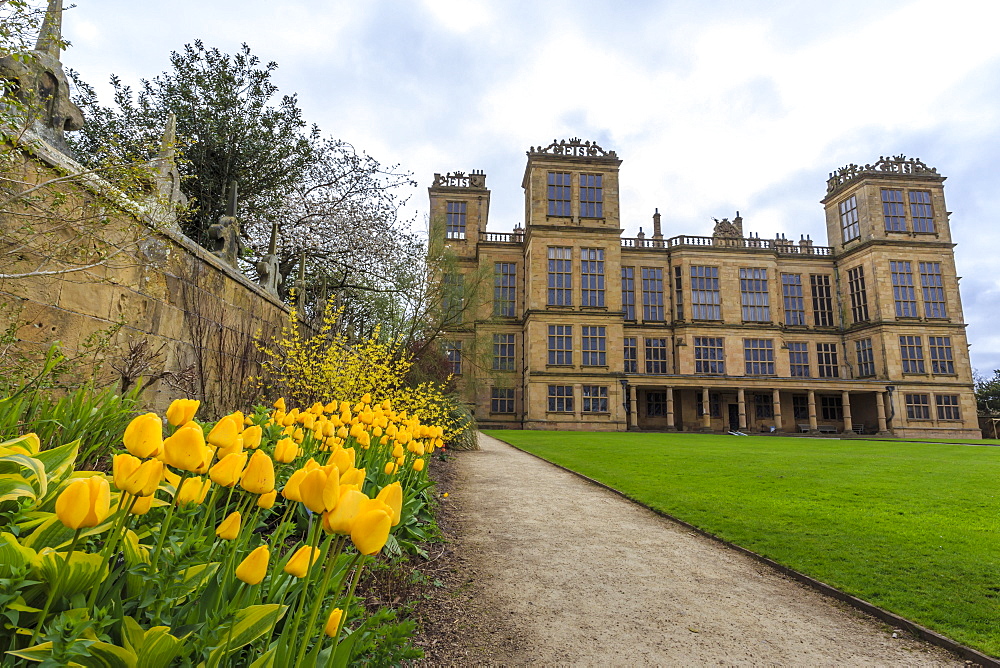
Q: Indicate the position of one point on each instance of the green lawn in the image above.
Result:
(910, 527)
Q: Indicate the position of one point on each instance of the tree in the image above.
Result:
(227, 114)
(987, 392)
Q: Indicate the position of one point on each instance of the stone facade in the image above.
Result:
(583, 329)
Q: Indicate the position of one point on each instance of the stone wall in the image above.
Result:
(199, 313)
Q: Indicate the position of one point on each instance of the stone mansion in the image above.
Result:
(574, 327)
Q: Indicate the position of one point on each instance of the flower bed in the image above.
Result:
(240, 542)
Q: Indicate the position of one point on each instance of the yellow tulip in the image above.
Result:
(392, 496)
(418, 465)
(171, 478)
(320, 490)
(286, 450)
(366, 398)
(122, 466)
(254, 567)
(229, 469)
(333, 622)
(229, 528)
(143, 436)
(339, 519)
(308, 420)
(266, 501)
(251, 437)
(291, 488)
(280, 404)
(300, 562)
(390, 468)
(234, 448)
(258, 478)
(193, 490)
(144, 480)
(398, 451)
(85, 502)
(370, 530)
(342, 432)
(224, 432)
(364, 440)
(343, 459)
(353, 477)
(142, 505)
(377, 431)
(182, 411)
(186, 449)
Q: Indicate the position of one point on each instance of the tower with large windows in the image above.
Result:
(589, 330)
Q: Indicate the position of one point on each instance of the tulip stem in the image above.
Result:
(313, 541)
(347, 601)
(60, 576)
(165, 528)
(117, 532)
(328, 555)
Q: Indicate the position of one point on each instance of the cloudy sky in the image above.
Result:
(713, 106)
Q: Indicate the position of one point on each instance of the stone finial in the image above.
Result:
(269, 276)
(166, 176)
(225, 234)
(39, 84)
(50, 37)
(657, 234)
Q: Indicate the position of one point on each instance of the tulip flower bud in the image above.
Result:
(141, 505)
(224, 432)
(339, 519)
(182, 411)
(280, 405)
(266, 501)
(370, 530)
(392, 496)
(144, 480)
(390, 468)
(85, 502)
(122, 466)
(193, 490)
(353, 477)
(418, 465)
(186, 449)
(300, 562)
(229, 469)
(397, 451)
(258, 478)
(320, 490)
(229, 528)
(143, 436)
(333, 622)
(234, 448)
(251, 437)
(343, 459)
(364, 440)
(291, 489)
(286, 450)
(254, 567)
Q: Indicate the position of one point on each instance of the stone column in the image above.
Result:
(633, 405)
(776, 400)
(880, 408)
(741, 402)
(812, 411)
(845, 400)
(578, 402)
(706, 407)
(670, 408)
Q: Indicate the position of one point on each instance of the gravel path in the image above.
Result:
(556, 570)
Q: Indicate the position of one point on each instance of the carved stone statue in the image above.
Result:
(267, 267)
(225, 234)
(167, 178)
(39, 83)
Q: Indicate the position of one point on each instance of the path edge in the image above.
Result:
(922, 632)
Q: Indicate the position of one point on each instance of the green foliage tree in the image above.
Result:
(227, 109)
(987, 392)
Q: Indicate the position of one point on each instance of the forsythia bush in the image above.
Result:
(325, 366)
(238, 543)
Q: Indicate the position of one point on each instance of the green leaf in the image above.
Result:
(13, 486)
(132, 634)
(346, 647)
(265, 660)
(35, 471)
(27, 442)
(248, 625)
(160, 648)
(59, 461)
(77, 575)
(13, 555)
(106, 655)
(36, 653)
(53, 533)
